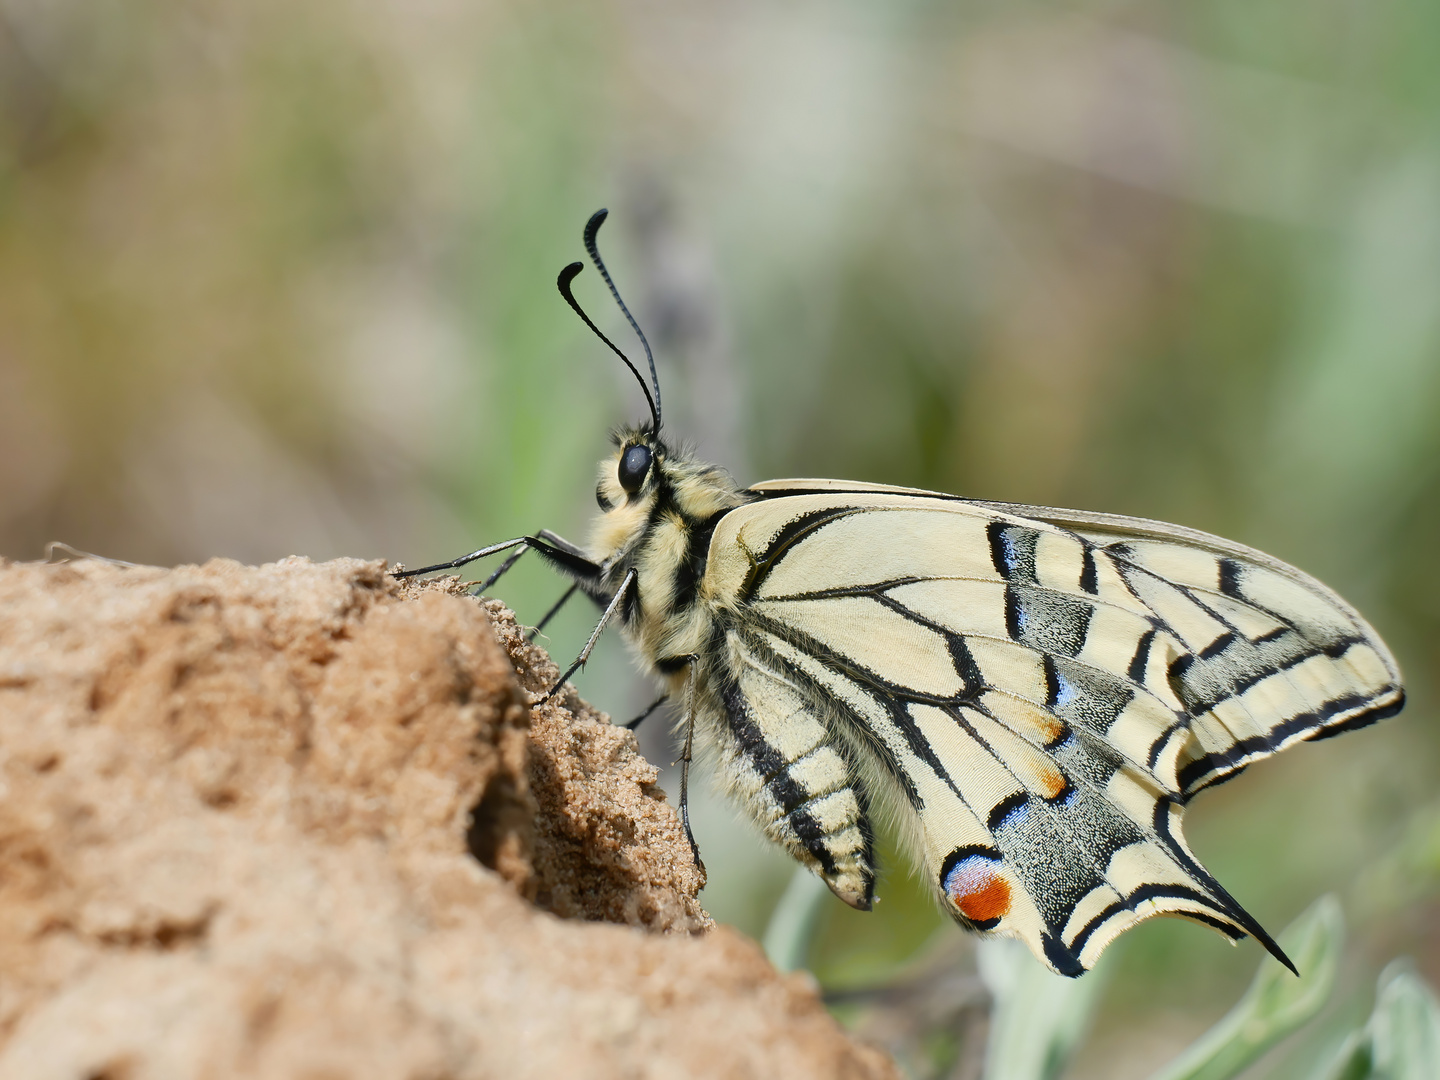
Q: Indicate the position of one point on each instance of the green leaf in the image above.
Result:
(1276, 1003)
(1405, 1027)
(1352, 1062)
(793, 922)
(1038, 1017)
(1401, 1040)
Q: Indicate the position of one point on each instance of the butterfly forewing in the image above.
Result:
(1286, 659)
(1040, 693)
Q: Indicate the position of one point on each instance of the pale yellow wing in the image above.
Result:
(1041, 691)
(1242, 583)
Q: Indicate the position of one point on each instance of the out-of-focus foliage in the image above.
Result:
(791, 928)
(1277, 1002)
(279, 278)
(1402, 1039)
(1038, 1017)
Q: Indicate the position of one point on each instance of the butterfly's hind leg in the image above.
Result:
(686, 757)
(633, 724)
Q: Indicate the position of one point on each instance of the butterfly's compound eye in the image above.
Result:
(634, 464)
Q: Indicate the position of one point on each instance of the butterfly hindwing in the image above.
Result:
(1036, 698)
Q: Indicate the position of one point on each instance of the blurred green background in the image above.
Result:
(278, 278)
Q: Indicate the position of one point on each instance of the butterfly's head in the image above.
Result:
(651, 496)
(645, 483)
(631, 476)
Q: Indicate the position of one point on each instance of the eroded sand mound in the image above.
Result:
(297, 821)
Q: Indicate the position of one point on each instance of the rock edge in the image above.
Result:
(299, 821)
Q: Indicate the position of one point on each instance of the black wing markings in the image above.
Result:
(1236, 754)
(1083, 699)
(1012, 552)
(1053, 897)
(1141, 657)
(836, 707)
(891, 697)
(1047, 620)
(1229, 584)
(789, 535)
(773, 768)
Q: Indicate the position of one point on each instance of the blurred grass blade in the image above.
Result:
(1275, 1004)
(1405, 1028)
(1352, 1062)
(792, 923)
(1402, 1039)
(1038, 1017)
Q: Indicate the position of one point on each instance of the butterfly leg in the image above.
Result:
(633, 724)
(479, 553)
(568, 557)
(610, 610)
(484, 586)
(555, 610)
(577, 565)
(685, 761)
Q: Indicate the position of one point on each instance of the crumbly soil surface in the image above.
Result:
(302, 821)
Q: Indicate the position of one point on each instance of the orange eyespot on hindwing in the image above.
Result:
(973, 883)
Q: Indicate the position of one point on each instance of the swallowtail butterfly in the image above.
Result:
(1033, 694)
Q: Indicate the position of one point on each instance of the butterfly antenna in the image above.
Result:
(566, 277)
(592, 228)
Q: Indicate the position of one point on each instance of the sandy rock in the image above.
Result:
(299, 821)
(607, 844)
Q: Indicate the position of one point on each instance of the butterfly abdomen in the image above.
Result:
(781, 758)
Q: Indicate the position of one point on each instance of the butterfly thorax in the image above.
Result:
(661, 529)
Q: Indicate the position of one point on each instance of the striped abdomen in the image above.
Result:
(783, 760)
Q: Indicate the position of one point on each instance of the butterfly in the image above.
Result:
(1031, 695)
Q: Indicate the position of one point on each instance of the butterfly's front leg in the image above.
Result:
(464, 560)
(570, 559)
